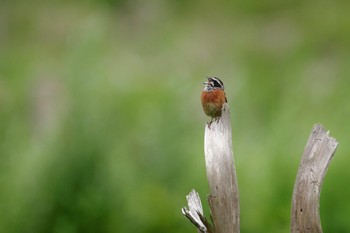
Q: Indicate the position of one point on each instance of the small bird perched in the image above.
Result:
(213, 98)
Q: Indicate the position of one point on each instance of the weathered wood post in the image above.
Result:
(223, 198)
(318, 152)
(221, 173)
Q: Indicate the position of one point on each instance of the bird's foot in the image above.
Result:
(209, 123)
(216, 119)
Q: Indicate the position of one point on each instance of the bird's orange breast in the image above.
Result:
(212, 102)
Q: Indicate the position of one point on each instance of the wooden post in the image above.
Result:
(319, 150)
(224, 198)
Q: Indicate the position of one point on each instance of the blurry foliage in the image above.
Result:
(101, 126)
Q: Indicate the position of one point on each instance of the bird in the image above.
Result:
(213, 98)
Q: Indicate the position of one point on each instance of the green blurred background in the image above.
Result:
(101, 127)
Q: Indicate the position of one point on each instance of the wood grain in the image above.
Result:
(224, 197)
(318, 152)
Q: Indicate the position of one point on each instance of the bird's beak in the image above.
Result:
(207, 83)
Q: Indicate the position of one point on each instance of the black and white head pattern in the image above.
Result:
(216, 82)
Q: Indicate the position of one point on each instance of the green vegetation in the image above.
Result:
(101, 125)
